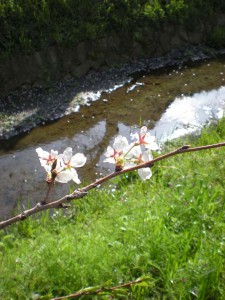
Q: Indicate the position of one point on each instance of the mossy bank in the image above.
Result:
(48, 40)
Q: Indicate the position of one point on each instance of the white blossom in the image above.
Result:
(117, 153)
(125, 155)
(47, 158)
(145, 138)
(61, 167)
(66, 165)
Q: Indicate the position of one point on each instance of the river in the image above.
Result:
(171, 102)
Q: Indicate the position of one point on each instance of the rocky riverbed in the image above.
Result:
(23, 109)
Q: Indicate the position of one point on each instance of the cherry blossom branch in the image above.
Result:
(98, 290)
(79, 193)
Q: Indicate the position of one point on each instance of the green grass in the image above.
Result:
(170, 228)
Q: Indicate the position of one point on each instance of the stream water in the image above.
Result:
(171, 102)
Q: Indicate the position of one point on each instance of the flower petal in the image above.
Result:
(143, 130)
(54, 154)
(135, 151)
(41, 153)
(147, 155)
(120, 143)
(60, 164)
(75, 176)
(64, 176)
(67, 154)
(47, 168)
(109, 152)
(129, 164)
(150, 140)
(78, 160)
(145, 173)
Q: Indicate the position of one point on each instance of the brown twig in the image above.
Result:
(77, 194)
(86, 292)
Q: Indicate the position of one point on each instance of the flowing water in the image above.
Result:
(171, 102)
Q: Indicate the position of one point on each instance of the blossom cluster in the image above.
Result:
(125, 155)
(61, 167)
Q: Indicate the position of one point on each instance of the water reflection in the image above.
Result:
(171, 103)
(187, 114)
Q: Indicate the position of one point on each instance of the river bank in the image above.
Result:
(23, 109)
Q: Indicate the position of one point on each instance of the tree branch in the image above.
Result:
(79, 193)
(95, 291)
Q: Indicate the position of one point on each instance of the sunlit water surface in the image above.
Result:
(171, 103)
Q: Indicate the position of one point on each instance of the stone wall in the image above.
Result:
(56, 63)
